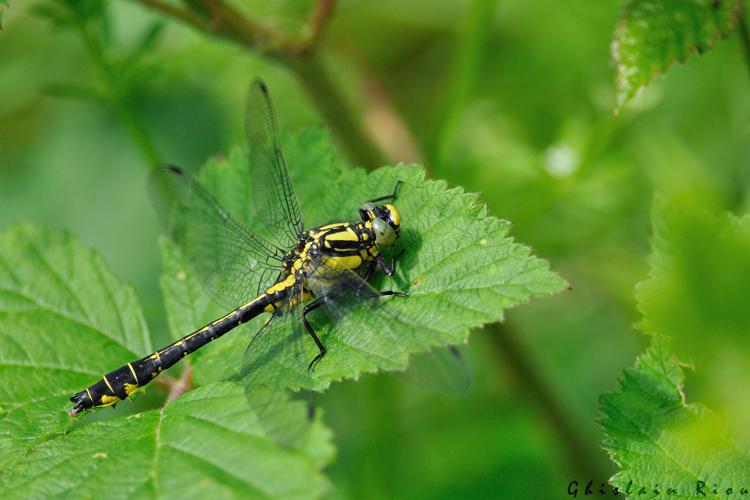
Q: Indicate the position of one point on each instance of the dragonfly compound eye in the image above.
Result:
(385, 235)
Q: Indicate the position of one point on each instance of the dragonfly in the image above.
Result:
(287, 274)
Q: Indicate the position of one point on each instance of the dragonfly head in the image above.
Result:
(385, 221)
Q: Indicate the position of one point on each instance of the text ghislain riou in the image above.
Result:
(698, 488)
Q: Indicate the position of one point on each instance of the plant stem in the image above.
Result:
(331, 105)
(133, 125)
(581, 457)
(299, 55)
(182, 384)
(184, 15)
(318, 19)
(467, 68)
(744, 39)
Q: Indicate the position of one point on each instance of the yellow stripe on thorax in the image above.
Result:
(348, 235)
(335, 225)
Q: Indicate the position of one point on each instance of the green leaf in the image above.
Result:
(697, 287)
(694, 304)
(188, 308)
(206, 444)
(460, 268)
(64, 321)
(658, 440)
(651, 35)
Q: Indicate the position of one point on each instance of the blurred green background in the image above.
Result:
(512, 99)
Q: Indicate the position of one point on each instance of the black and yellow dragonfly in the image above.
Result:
(288, 274)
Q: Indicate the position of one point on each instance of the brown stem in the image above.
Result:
(331, 104)
(299, 56)
(384, 123)
(744, 39)
(182, 384)
(165, 381)
(185, 15)
(582, 458)
(176, 387)
(319, 17)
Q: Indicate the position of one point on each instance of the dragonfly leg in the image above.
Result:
(383, 265)
(386, 293)
(388, 268)
(321, 348)
(391, 196)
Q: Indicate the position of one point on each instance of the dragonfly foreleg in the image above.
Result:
(391, 196)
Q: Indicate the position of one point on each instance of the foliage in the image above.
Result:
(523, 114)
(652, 35)
(459, 266)
(206, 443)
(698, 283)
(120, 71)
(692, 305)
(65, 320)
(60, 306)
(660, 442)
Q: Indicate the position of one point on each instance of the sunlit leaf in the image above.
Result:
(698, 284)
(64, 321)
(460, 268)
(660, 442)
(206, 444)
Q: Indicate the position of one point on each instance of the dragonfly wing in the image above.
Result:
(374, 324)
(274, 200)
(443, 370)
(279, 354)
(233, 263)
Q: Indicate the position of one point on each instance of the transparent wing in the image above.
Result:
(443, 369)
(278, 355)
(375, 325)
(233, 263)
(274, 201)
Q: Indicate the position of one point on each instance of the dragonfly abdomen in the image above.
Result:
(118, 384)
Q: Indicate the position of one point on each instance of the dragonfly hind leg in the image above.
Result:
(321, 348)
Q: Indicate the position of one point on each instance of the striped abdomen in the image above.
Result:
(116, 385)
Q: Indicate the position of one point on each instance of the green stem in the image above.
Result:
(331, 104)
(583, 459)
(138, 133)
(132, 123)
(466, 72)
